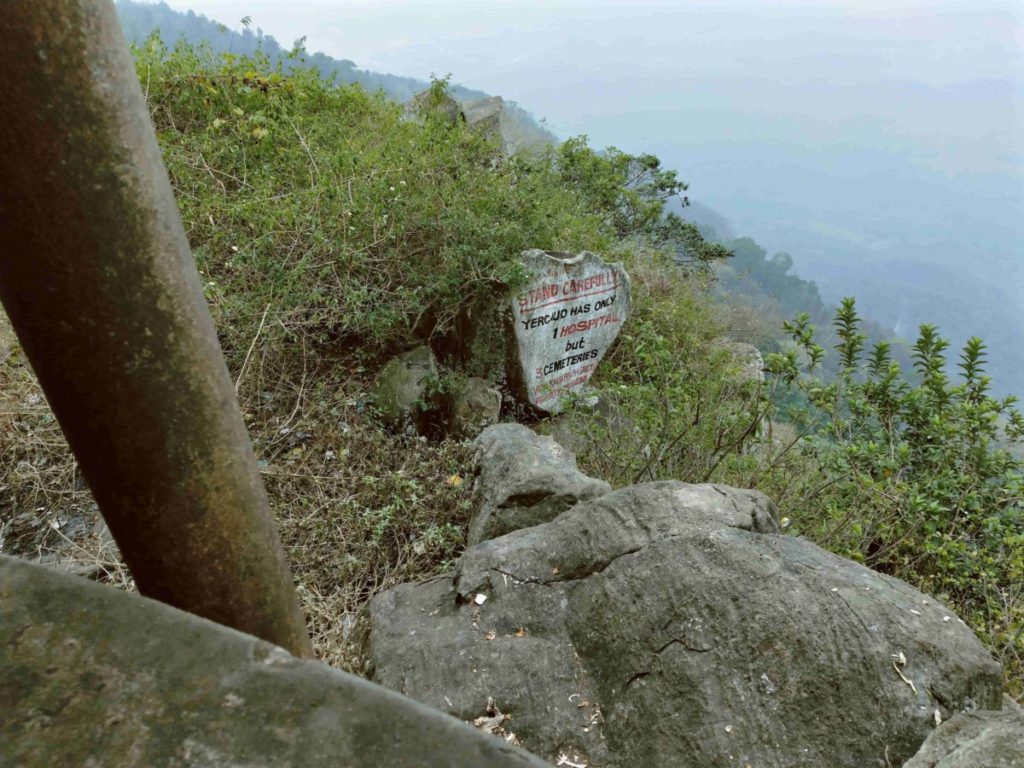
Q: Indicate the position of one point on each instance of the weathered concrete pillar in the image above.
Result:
(99, 282)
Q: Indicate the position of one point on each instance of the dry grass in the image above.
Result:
(359, 509)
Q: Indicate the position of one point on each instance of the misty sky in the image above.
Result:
(783, 71)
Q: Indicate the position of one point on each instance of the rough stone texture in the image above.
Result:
(92, 676)
(565, 318)
(670, 625)
(475, 406)
(983, 739)
(524, 479)
(402, 387)
(490, 116)
(749, 361)
(447, 107)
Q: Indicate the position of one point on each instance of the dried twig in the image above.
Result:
(245, 363)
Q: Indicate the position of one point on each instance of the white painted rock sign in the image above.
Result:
(566, 318)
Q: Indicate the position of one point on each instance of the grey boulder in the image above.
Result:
(401, 390)
(475, 406)
(672, 625)
(983, 739)
(747, 360)
(424, 103)
(93, 676)
(7, 337)
(524, 479)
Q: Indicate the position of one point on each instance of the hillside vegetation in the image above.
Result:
(140, 20)
(332, 231)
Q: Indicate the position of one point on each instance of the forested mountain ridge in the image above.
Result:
(767, 286)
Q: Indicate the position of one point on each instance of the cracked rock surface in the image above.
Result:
(669, 624)
(524, 479)
(980, 739)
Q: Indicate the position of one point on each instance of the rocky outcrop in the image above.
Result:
(475, 405)
(669, 624)
(748, 360)
(524, 479)
(983, 739)
(91, 676)
(426, 102)
(401, 391)
(491, 117)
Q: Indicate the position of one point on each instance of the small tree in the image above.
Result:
(631, 190)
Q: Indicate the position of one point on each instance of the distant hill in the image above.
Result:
(768, 285)
(140, 20)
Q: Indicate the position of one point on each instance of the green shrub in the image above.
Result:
(687, 410)
(329, 206)
(915, 479)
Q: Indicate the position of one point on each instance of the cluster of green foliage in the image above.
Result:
(916, 479)
(351, 220)
(633, 191)
(330, 207)
(772, 276)
(687, 407)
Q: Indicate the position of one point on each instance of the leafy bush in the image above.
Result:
(325, 204)
(916, 479)
(687, 409)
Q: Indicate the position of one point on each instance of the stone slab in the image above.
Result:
(566, 318)
(523, 479)
(92, 676)
(981, 739)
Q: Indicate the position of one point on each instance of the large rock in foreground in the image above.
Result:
(975, 740)
(92, 676)
(524, 479)
(670, 625)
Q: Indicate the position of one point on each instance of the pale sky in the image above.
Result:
(483, 39)
(576, 62)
